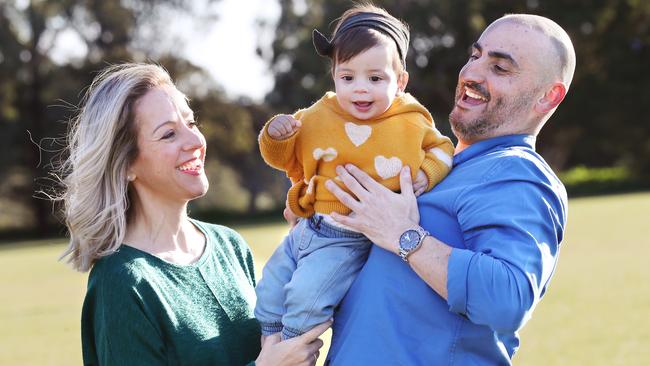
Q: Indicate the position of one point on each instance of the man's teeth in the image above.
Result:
(474, 95)
(192, 165)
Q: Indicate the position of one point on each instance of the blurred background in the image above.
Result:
(241, 62)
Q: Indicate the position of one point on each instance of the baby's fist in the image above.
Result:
(283, 126)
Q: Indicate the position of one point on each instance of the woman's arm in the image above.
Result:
(115, 329)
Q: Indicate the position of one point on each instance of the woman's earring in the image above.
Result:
(130, 177)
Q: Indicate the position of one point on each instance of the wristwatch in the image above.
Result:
(410, 241)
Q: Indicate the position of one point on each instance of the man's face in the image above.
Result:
(499, 84)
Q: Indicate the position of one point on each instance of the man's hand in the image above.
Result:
(383, 215)
(379, 213)
(283, 126)
(421, 183)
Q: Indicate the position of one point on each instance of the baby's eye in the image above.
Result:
(375, 78)
(347, 78)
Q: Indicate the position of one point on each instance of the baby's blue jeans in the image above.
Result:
(307, 276)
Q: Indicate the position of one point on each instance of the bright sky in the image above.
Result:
(228, 49)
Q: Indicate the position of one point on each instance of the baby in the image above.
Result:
(369, 122)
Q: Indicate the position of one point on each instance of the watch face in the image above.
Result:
(409, 239)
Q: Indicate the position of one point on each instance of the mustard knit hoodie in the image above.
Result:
(329, 136)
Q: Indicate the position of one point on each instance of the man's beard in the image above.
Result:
(493, 118)
(479, 127)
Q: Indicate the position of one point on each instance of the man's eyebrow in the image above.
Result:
(504, 56)
(497, 54)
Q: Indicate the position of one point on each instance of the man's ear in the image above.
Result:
(551, 99)
(402, 80)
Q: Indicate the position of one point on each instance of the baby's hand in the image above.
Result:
(421, 182)
(292, 218)
(283, 126)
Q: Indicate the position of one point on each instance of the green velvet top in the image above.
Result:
(142, 310)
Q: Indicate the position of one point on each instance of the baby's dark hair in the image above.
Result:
(354, 41)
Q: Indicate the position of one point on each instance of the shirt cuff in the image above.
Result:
(434, 170)
(457, 274)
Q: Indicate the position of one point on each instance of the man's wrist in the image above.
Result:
(394, 241)
(410, 241)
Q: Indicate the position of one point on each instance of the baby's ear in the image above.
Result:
(402, 80)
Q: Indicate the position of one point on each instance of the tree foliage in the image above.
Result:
(603, 122)
(40, 91)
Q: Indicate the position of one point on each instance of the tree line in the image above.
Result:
(602, 123)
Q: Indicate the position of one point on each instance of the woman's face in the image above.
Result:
(169, 165)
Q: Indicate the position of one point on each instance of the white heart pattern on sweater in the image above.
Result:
(387, 168)
(357, 134)
(328, 154)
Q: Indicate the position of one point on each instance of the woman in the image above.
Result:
(163, 288)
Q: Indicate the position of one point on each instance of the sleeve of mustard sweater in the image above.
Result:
(438, 158)
(281, 154)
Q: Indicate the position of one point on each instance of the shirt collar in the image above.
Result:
(485, 146)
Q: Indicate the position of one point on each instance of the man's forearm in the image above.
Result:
(511, 299)
(430, 263)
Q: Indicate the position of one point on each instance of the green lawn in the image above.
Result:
(596, 312)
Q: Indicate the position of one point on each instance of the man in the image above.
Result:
(460, 294)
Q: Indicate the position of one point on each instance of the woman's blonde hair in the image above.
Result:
(102, 143)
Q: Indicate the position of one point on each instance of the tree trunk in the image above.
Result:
(40, 207)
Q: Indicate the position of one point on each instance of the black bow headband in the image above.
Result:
(379, 22)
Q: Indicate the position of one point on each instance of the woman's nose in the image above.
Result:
(194, 139)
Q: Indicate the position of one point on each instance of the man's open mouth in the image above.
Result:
(473, 97)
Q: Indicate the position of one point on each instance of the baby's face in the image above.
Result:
(367, 84)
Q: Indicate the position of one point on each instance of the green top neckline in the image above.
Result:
(196, 264)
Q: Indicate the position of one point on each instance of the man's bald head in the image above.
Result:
(561, 50)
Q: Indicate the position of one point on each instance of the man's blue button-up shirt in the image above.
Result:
(504, 212)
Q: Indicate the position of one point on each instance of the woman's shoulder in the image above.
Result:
(117, 276)
(119, 263)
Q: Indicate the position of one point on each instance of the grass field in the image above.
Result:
(596, 312)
